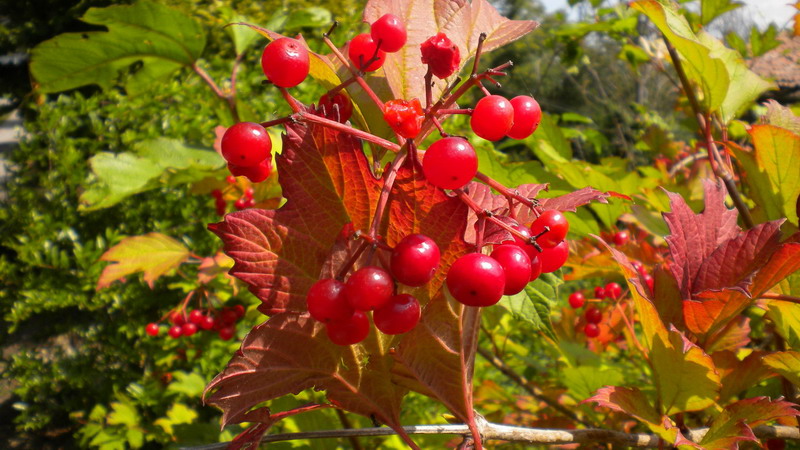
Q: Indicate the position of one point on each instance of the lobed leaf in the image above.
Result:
(777, 156)
(786, 364)
(154, 254)
(734, 424)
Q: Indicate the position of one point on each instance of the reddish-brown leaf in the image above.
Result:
(738, 375)
(734, 424)
(630, 401)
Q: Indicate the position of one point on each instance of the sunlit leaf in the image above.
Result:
(154, 254)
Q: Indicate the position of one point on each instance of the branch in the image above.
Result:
(784, 298)
(499, 432)
(228, 99)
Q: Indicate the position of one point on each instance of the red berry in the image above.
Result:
(492, 117)
(405, 117)
(613, 291)
(522, 243)
(414, 260)
(621, 238)
(249, 192)
(516, 266)
(285, 62)
(336, 107)
(576, 300)
(441, 55)
(650, 281)
(450, 163)
(188, 329)
(398, 316)
(230, 179)
(389, 32)
(476, 280)
(369, 288)
(553, 258)
(177, 318)
(228, 316)
(222, 207)
(637, 265)
(593, 315)
(226, 333)
(240, 203)
(246, 144)
(599, 292)
(349, 331)
(207, 323)
(362, 50)
(239, 310)
(527, 115)
(175, 331)
(536, 266)
(251, 202)
(557, 224)
(196, 316)
(152, 329)
(591, 330)
(255, 174)
(216, 193)
(326, 301)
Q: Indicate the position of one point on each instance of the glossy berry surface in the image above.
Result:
(177, 318)
(414, 260)
(536, 266)
(516, 266)
(336, 107)
(255, 174)
(492, 117)
(649, 281)
(151, 329)
(450, 163)
(576, 300)
(398, 316)
(476, 280)
(593, 315)
(591, 330)
(285, 62)
(522, 243)
(527, 115)
(207, 323)
(599, 292)
(553, 258)
(390, 32)
(226, 333)
(405, 117)
(361, 51)
(621, 238)
(349, 331)
(188, 329)
(369, 288)
(196, 316)
(175, 331)
(326, 301)
(246, 144)
(441, 55)
(558, 228)
(613, 291)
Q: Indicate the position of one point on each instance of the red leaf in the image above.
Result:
(251, 437)
(739, 375)
(630, 401)
(734, 424)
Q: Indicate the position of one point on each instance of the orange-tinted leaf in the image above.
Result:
(735, 422)
(212, 266)
(735, 335)
(739, 375)
(786, 364)
(630, 401)
(154, 254)
(251, 437)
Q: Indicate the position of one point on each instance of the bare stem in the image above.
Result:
(356, 74)
(352, 260)
(383, 200)
(508, 193)
(486, 214)
(780, 297)
(369, 137)
(229, 100)
(686, 162)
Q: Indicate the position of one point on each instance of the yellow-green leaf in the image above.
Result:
(154, 254)
(786, 364)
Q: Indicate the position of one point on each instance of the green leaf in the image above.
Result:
(190, 384)
(777, 156)
(242, 37)
(160, 38)
(155, 163)
(583, 381)
(533, 303)
(123, 414)
(178, 414)
(311, 17)
(761, 43)
(550, 142)
(737, 43)
(154, 254)
(711, 9)
(786, 364)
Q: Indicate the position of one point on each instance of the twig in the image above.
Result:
(229, 100)
(784, 298)
(499, 432)
(685, 162)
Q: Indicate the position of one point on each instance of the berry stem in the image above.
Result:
(352, 260)
(356, 74)
(428, 88)
(443, 112)
(780, 297)
(341, 85)
(280, 121)
(383, 200)
(510, 194)
(369, 137)
(479, 234)
(478, 51)
(229, 99)
(489, 216)
(293, 103)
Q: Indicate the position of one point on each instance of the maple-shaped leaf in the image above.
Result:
(154, 254)
(463, 21)
(738, 375)
(786, 364)
(734, 424)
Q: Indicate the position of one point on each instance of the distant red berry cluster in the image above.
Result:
(221, 321)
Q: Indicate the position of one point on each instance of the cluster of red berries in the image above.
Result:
(343, 306)
(243, 202)
(247, 148)
(476, 279)
(593, 314)
(222, 321)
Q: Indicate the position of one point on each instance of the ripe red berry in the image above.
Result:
(557, 224)
(414, 260)
(349, 331)
(527, 115)
(591, 330)
(255, 174)
(336, 107)
(216, 193)
(175, 331)
(196, 316)
(230, 179)
(621, 238)
(613, 291)
(152, 329)
(249, 192)
(553, 258)
(285, 62)
(326, 301)
(450, 163)
(177, 318)
(369, 288)
(593, 315)
(362, 49)
(637, 265)
(222, 207)
(188, 329)
(246, 144)
(226, 333)
(441, 55)
(650, 281)
(398, 316)
(576, 300)
(389, 32)
(207, 323)
(599, 292)
(536, 266)
(240, 203)
(239, 310)
(228, 317)
(522, 243)
(516, 266)
(492, 117)
(405, 117)
(476, 280)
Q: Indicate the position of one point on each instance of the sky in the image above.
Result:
(762, 11)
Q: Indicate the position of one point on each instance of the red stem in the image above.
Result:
(780, 297)
(356, 74)
(313, 118)
(383, 200)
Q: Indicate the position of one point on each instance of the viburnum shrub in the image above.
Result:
(359, 243)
